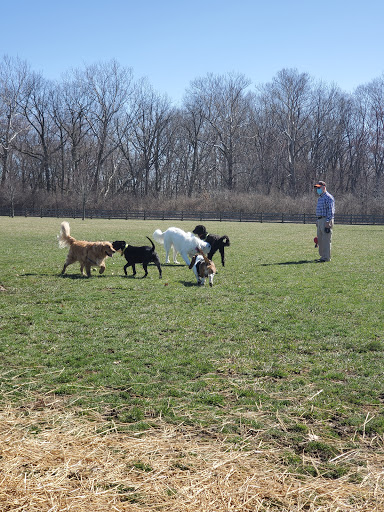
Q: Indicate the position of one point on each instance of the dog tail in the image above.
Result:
(225, 240)
(153, 245)
(65, 239)
(158, 235)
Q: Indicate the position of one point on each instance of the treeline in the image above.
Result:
(102, 137)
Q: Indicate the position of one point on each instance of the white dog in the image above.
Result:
(184, 243)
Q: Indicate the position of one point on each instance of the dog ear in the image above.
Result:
(202, 269)
(108, 248)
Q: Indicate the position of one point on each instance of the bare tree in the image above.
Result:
(290, 104)
(151, 113)
(13, 74)
(70, 110)
(327, 146)
(107, 87)
(370, 99)
(225, 106)
(40, 143)
(264, 155)
(196, 141)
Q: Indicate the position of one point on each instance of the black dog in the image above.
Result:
(133, 255)
(217, 242)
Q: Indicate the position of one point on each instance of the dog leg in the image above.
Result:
(68, 262)
(221, 249)
(167, 248)
(125, 268)
(145, 267)
(193, 261)
(133, 269)
(102, 269)
(194, 269)
(184, 255)
(174, 255)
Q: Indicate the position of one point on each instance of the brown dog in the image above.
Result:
(203, 268)
(88, 254)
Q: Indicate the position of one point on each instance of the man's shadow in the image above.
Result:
(300, 262)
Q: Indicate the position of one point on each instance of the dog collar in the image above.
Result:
(122, 251)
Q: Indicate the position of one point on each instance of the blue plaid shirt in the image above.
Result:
(326, 206)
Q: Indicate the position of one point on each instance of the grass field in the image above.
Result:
(282, 354)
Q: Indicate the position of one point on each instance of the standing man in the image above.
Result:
(325, 212)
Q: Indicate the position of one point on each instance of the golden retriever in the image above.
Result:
(88, 254)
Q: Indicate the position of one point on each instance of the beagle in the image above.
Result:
(203, 268)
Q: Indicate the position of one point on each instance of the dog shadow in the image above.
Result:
(131, 276)
(35, 274)
(46, 274)
(188, 284)
(77, 276)
(300, 262)
(174, 265)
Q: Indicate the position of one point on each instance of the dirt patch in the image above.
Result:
(52, 460)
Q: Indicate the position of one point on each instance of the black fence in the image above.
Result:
(297, 218)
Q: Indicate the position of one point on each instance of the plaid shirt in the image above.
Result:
(326, 206)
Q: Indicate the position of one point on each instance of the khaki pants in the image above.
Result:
(324, 239)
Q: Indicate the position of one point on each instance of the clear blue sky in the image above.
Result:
(172, 42)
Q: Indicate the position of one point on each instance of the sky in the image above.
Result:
(173, 42)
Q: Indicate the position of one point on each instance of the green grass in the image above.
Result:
(280, 347)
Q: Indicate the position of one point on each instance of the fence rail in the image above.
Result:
(298, 218)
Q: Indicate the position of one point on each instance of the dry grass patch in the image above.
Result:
(52, 460)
